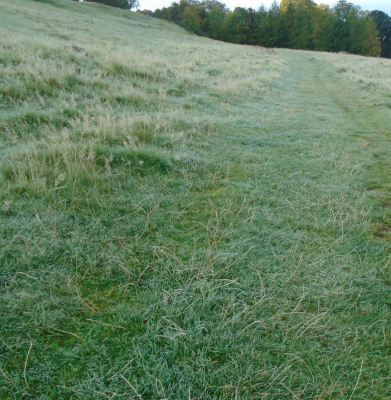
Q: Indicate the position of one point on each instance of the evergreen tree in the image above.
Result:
(383, 25)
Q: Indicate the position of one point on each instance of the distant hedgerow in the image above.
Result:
(125, 4)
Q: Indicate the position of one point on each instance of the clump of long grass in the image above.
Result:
(373, 74)
(107, 98)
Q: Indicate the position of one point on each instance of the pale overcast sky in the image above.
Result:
(382, 5)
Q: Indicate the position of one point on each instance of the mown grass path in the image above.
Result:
(193, 234)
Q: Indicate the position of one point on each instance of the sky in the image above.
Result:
(382, 5)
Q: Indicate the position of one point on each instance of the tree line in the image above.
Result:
(124, 4)
(296, 24)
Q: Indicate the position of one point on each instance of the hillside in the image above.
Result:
(182, 218)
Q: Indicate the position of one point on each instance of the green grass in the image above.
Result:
(187, 219)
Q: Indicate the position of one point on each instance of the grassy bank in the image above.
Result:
(187, 219)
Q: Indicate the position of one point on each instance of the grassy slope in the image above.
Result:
(187, 219)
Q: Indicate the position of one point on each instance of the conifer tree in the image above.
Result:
(383, 25)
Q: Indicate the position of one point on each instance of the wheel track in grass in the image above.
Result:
(364, 124)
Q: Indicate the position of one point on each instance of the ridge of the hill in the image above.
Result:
(184, 218)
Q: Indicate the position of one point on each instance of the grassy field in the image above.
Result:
(186, 219)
